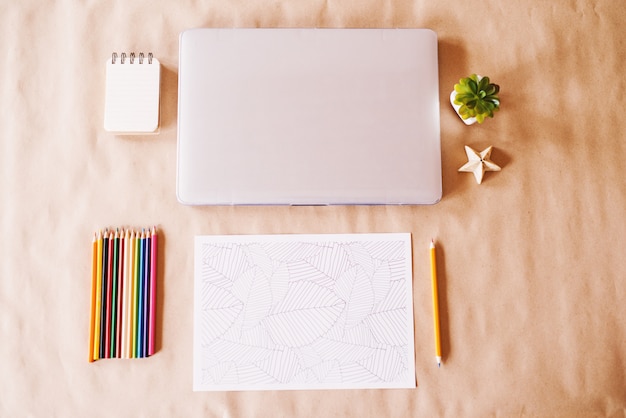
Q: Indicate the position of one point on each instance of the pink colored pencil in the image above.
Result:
(152, 284)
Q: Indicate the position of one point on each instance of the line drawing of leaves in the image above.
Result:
(359, 335)
(307, 356)
(385, 250)
(257, 336)
(355, 287)
(279, 283)
(384, 364)
(389, 327)
(259, 257)
(338, 330)
(252, 374)
(291, 251)
(306, 313)
(332, 260)
(221, 350)
(229, 261)
(242, 284)
(219, 373)
(323, 372)
(381, 280)
(219, 310)
(210, 275)
(342, 351)
(398, 269)
(280, 312)
(328, 372)
(212, 250)
(302, 270)
(357, 373)
(282, 365)
(395, 298)
(254, 290)
(360, 256)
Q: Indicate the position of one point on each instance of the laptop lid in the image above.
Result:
(308, 116)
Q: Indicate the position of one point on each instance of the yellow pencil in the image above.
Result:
(131, 303)
(92, 319)
(128, 290)
(98, 299)
(433, 275)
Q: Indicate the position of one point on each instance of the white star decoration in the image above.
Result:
(478, 163)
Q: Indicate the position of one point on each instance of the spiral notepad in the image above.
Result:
(132, 93)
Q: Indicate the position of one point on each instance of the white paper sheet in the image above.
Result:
(303, 312)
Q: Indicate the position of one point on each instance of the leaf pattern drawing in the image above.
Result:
(303, 312)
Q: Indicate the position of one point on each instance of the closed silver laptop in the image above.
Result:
(308, 116)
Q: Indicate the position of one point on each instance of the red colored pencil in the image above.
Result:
(153, 280)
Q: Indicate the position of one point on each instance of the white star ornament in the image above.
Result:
(478, 163)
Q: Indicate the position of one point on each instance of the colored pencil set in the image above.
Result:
(123, 296)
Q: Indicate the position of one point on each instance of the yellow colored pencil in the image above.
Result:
(92, 319)
(131, 302)
(98, 299)
(127, 295)
(433, 275)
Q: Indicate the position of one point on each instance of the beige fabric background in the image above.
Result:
(532, 263)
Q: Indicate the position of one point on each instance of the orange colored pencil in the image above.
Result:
(94, 269)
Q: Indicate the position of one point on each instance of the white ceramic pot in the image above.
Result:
(456, 107)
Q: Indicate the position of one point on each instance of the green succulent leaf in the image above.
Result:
(472, 86)
(483, 84)
(477, 97)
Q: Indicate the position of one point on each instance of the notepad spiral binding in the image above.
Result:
(131, 58)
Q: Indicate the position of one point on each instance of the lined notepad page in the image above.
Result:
(132, 94)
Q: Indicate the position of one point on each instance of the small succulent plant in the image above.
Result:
(477, 97)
